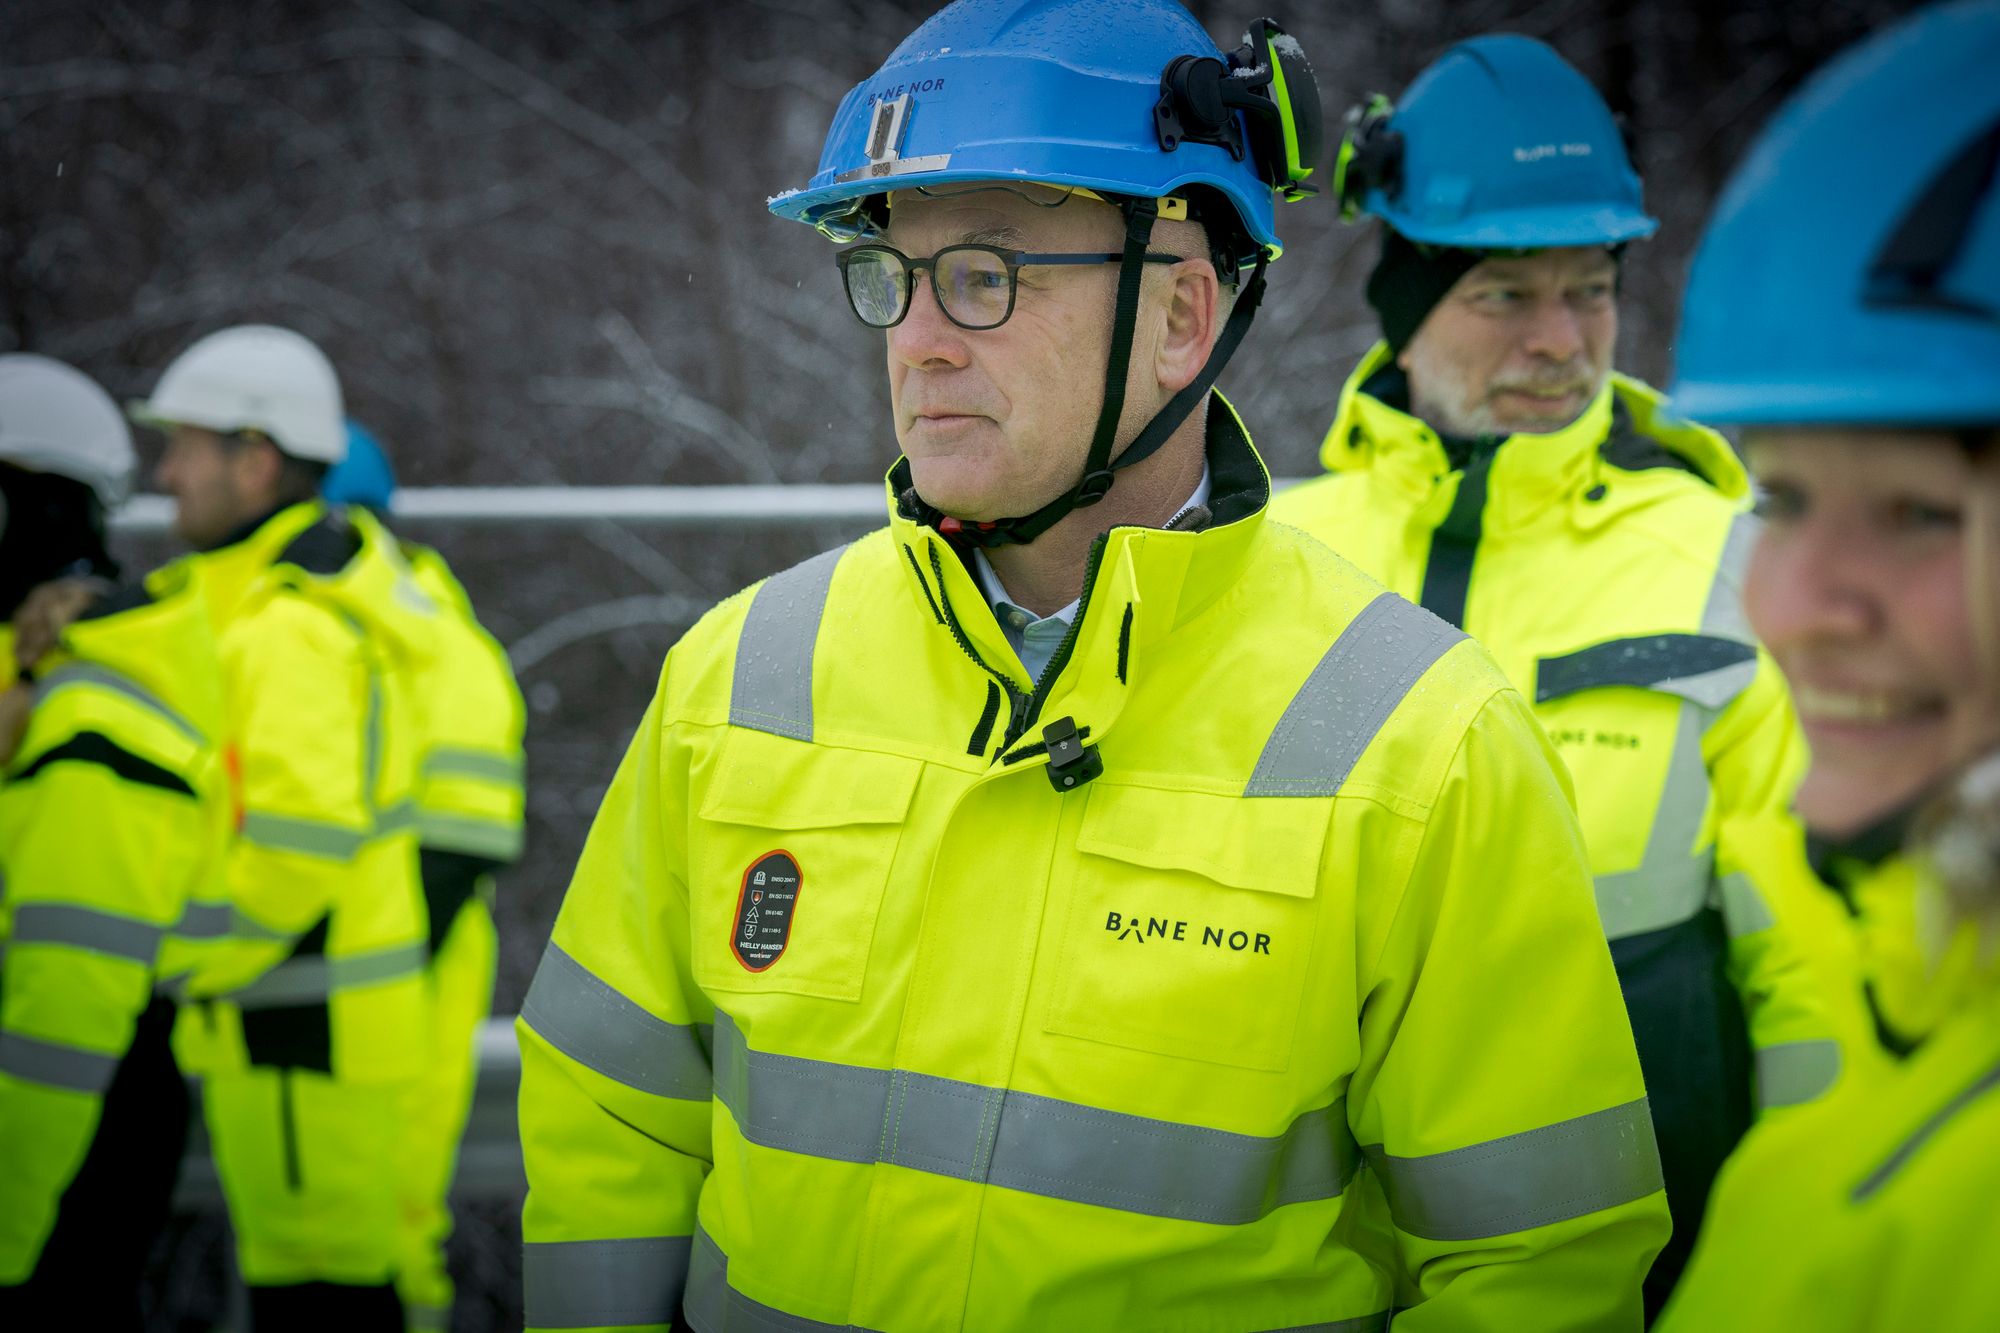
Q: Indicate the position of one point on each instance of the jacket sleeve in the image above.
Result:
(98, 843)
(616, 1077)
(1499, 1100)
(299, 721)
(1756, 755)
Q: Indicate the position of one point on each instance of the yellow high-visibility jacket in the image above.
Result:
(113, 821)
(1600, 565)
(1872, 1210)
(322, 632)
(863, 1010)
(469, 817)
(471, 795)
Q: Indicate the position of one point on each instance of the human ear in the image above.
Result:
(1193, 309)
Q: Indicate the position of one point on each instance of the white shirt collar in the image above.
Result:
(996, 592)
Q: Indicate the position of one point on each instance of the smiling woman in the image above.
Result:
(1856, 334)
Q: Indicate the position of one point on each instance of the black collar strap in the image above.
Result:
(1100, 469)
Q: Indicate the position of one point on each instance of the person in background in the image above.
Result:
(469, 799)
(309, 1043)
(1486, 460)
(114, 815)
(1034, 915)
(1853, 329)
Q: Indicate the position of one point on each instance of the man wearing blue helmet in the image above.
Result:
(1853, 329)
(1487, 462)
(1037, 914)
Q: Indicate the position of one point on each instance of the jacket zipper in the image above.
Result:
(1061, 657)
(1017, 702)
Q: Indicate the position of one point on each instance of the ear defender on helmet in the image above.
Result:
(1269, 80)
(1370, 158)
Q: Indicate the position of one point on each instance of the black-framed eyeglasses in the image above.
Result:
(974, 284)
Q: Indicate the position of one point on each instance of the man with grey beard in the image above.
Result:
(1488, 462)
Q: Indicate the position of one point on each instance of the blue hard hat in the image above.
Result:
(1851, 273)
(1063, 92)
(362, 478)
(1500, 144)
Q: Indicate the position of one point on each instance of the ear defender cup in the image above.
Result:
(1294, 93)
(1370, 158)
(1268, 79)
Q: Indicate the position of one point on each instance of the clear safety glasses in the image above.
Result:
(974, 284)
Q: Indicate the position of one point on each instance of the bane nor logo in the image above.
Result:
(765, 906)
(1140, 929)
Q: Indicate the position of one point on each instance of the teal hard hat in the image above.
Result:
(1500, 144)
(1851, 272)
(364, 477)
(1118, 97)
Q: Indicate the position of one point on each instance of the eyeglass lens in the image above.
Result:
(974, 286)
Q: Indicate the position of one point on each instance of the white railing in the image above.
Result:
(700, 506)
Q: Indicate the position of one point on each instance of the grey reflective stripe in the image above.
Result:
(584, 1018)
(1703, 668)
(772, 687)
(1744, 911)
(1367, 672)
(85, 673)
(713, 1306)
(483, 765)
(371, 738)
(398, 818)
(426, 1318)
(1795, 1071)
(499, 839)
(70, 1068)
(1525, 1180)
(596, 1283)
(288, 833)
(1882, 1174)
(1671, 882)
(206, 921)
(1724, 614)
(87, 928)
(315, 977)
(1022, 1141)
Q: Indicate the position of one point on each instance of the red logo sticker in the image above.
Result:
(765, 906)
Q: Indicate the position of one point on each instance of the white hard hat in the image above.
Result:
(54, 418)
(254, 377)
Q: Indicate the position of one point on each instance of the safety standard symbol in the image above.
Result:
(765, 906)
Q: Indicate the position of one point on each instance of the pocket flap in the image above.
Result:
(778, 783)
(1269, 844)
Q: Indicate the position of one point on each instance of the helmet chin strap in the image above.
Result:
(1100, 468)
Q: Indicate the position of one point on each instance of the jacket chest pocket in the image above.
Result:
(1190, 924)
(790, 855)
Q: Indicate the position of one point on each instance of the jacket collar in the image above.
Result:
(1155, 578)
(1624, 430)
(350, 561)
(230, 571)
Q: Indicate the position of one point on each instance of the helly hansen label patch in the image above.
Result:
(764, 909)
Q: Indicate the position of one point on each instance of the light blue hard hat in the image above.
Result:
(1500, 144)
(1851, 273)
(1067, 93)
(364, 477)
